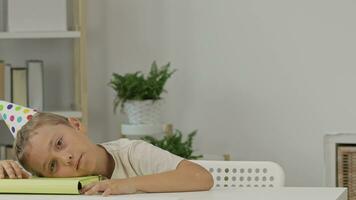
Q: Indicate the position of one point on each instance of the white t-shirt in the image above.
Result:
(138, 158)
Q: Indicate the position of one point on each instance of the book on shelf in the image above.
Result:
(6, 152)
(35, 84)
(2, 78)
(3, 15)
(7, 82)
(19, 87)
(37, 185)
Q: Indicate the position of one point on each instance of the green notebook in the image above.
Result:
(46, 185)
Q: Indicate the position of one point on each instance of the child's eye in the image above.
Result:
(59, 143)
(52, 166)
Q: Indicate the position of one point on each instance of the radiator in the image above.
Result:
(346, 169)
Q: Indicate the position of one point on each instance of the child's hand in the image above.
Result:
(10, 169)
(109, 187)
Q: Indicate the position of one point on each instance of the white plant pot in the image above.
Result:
(143, 112)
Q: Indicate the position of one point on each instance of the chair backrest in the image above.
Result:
(244, 173)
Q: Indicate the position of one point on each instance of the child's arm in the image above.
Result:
(11, 169)
(187, 177)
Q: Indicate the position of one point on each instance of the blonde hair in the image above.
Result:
(28, 130)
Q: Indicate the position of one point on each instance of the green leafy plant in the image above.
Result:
(174, 144)
(135, 86)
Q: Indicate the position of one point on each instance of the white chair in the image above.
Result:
(244, 173)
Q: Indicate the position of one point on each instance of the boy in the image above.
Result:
(54, 146)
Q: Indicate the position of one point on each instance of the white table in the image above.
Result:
(283, 193)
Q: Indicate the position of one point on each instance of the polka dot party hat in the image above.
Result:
(15, 116)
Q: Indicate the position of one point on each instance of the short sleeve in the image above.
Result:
(148, 159)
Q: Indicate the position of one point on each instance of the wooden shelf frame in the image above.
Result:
(80, 65)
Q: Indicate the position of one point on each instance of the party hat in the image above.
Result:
(15, 116)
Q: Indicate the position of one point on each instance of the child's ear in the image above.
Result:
(77, 125)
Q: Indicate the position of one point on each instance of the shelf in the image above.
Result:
(39, 35)
(75, 114)
(141, 129)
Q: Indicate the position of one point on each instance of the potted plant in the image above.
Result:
(139, 95)
(174, 143)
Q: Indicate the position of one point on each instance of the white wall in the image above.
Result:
(261, 80)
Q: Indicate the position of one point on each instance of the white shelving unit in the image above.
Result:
(39, 35)
(22, 45)
(75, 114)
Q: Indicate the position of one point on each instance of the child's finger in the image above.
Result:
(107, 192)
(2, 175)
(25, 174)
(91, 185)
(8, 169)
(17, 169)
(94, 190)
(87, 187)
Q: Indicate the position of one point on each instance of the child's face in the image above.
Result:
(61, 151)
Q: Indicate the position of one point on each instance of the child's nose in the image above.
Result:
(68, 159)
